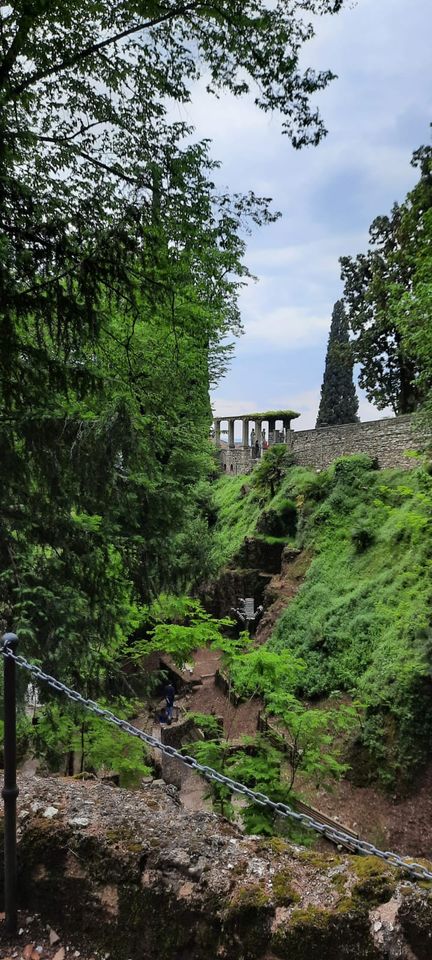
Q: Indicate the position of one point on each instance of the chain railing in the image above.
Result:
(363, 847)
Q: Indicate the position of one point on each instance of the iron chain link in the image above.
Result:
(416, 870)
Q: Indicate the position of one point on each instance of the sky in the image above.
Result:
(377, 113)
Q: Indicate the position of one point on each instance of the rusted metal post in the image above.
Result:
(10, 789)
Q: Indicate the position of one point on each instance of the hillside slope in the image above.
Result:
(361, 619)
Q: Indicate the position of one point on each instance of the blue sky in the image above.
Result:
(377, 112)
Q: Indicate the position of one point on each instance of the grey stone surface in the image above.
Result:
(145, 879)
(388, 440)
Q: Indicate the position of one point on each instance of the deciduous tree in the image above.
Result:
(375, 283)
(119, 272)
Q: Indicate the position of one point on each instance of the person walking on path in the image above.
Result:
(169, 697)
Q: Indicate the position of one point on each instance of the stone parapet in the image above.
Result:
(236, 460)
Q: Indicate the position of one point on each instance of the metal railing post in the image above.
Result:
(10, 789)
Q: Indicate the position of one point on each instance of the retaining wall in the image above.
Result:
(388, 440)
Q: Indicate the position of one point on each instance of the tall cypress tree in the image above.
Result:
(339, 403)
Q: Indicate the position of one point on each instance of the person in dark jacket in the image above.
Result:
(169, 697)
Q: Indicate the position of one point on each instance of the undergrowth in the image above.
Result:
(361, 620)
(238, 510)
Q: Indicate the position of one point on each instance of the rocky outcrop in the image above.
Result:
(221, 595)
(142, 879)
(282, 588)
(248, 575)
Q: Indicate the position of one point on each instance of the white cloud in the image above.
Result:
(287, 327)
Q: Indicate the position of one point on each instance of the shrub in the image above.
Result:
(289, 516)
(362, 538)
(279, 521)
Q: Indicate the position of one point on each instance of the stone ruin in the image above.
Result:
(259, 431)
(391, 441)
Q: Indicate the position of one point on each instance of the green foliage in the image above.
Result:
(274, 415)
(120, 269)
(256, 763)
(388, 295)
(412, 312)
(267, 476)
(362, 536)
(313, 735)
(207, 723)
(280, 521)
(308, 738)
(237, 511)
(361, 621)
(261, 671)
(103, 748)
(338, 402)
(178, 626)
(121, 265)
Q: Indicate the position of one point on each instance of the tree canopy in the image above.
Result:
(377, 284)
(119, 272)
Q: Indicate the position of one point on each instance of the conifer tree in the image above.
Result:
(339, 403)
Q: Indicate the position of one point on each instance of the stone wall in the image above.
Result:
(239, 459)
(387, 440)
(140, 878)
(235, 460)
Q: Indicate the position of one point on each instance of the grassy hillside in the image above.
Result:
(237, 512)
(361, 621)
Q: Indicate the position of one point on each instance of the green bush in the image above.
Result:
(279, 520)
(360, 621)
(362, 538)
(289, 516)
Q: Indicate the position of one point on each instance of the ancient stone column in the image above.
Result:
(286, 423)
(289, 436)
(217, 432)
(258, 428)
(231, 443)
(245, 433)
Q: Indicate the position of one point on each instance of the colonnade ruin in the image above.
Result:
(259, 431)
(391, 441)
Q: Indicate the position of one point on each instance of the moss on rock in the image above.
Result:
(315, 934)
(247, 922)
(284, 894)
(415, 917)
(376, 883)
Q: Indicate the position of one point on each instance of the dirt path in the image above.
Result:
(390, 823)
(402, 825)
(208, 698)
